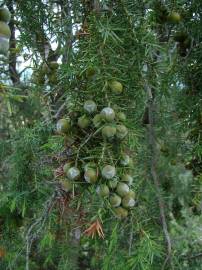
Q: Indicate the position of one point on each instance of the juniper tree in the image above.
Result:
(100, 142)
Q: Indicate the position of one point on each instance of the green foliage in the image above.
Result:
(131, 42)
(147, 251)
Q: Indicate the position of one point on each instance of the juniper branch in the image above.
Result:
(153, 169)
(31, 236)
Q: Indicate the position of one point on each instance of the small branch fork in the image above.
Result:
(35, 229)
(86, 140)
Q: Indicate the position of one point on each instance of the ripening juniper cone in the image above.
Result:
(5, 32)
(174, 17)
(112, 181)
(5, 15)
(116, 87)
(63, 125)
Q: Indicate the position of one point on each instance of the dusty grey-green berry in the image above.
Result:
(116, 87)
(108, 114)
(127, 178)
(67, 185)
(122, 189)
(83, 122)
(90, 175)
(108, 132)
(125, 160)
(63, 126)
(115, 200)
(128, 202)
(112, 184)
(90, 106)
(66, 167)
(5, 15)
(120, 212)
(103, 190)
(73, 173)
(97, 120)
(108, 172)
(121, 132)
(121, 116)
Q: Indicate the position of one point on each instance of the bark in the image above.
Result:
(14, 76)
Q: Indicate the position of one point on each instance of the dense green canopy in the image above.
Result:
(100, 135)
